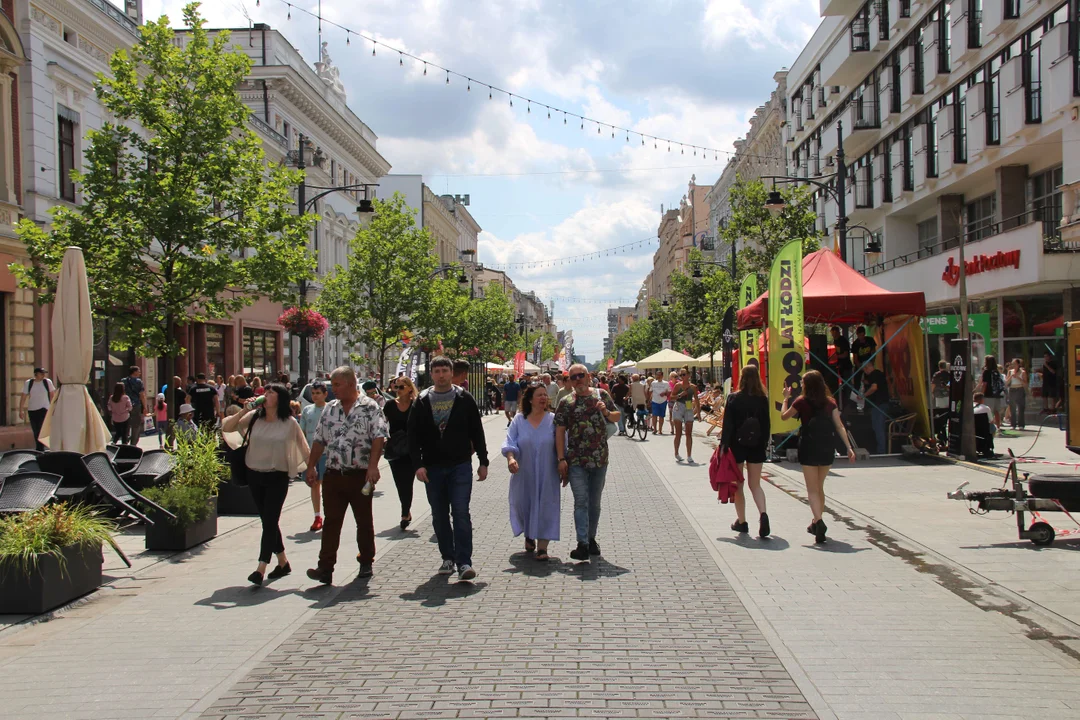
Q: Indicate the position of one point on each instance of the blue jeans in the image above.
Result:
(449, 490)
(588, 486)
(880, 421)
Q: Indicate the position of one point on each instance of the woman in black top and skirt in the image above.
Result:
(820, 424)
(397, 448)
(746, 433)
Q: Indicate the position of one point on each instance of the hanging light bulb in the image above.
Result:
(511, 101)
(597, 128)
(549, 113)
(468, 86)
(347, 38)
(373, 44)
(257, 3)
(425, 67)
(528, 107)
(289, 15)
(400, 60)
(447, 77)
(564, 117)
(489, 92)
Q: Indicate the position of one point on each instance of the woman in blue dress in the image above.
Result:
(535, 485)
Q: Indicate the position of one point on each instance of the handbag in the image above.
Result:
(238, 457)
(397, 446)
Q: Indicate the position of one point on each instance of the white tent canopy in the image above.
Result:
(626, 365)
(529, 367)
(665, 359)
(703, 360)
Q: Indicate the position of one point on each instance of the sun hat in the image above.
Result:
(186, 408)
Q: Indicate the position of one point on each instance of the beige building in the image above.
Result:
(680, 230)
(527, 304)
(759, 154)
(619, 319)
(447, 217)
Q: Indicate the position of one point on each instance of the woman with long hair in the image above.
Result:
(397, 447)
(257, 386)
(119, 407)
(276, 451)
(684, 408)
(820, 424)
(535, 485)
(1016, 384)
(746, 433)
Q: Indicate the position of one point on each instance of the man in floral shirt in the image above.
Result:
(581, 444)
(351, 433)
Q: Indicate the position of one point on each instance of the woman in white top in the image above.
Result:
(276, 451)
(1016, 386)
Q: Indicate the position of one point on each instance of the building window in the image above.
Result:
(1012, 9)
(260, 352)
(894, 96)
(881, 9)
(919, 86)
(928, 237)
(931, 144)
(960, 118)
(215, 350)
(993, 101)
(864, 186)
(66, 150)
(905, 8)
(1046, 199)
(860, 30)
(886, 174)
(1033, 76)
(909, 151)
(974, 24)
(980, 218)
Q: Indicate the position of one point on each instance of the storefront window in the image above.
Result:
(260, 352)
(1032, 316)
(215, 350)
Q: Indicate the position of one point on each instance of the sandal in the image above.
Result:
(530, 545)
(542, 555)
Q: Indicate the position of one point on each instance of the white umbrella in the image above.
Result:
(73, 423)
(665, 359)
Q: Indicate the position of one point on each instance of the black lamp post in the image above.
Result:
(304, 205)
(775, 202)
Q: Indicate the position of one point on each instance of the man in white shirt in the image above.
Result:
(552, 387)
(38, 394)
(660, 391)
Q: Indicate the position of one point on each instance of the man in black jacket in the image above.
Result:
(444, 431)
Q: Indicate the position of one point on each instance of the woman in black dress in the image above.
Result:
(397, 447)
(746, 433)
(820, 424)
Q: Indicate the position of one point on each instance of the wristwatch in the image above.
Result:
(562, 459)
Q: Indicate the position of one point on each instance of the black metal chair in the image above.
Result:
(109, 484)
(27, 491)
(125, 457)
(155, 468)
(13, 461)
(77, 483)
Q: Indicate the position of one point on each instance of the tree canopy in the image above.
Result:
(759, 233)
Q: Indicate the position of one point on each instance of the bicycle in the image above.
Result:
(637, 422)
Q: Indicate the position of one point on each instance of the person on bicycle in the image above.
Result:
(639, 398)
(619, 393)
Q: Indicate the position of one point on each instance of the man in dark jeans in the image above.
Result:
(133, 388)
(876, 390)
(38, 394)
(205, 401)
(843, 363)
(444, 431)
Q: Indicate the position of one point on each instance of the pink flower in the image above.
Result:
(304, 321)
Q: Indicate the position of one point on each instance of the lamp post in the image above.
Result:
(303, 206)
(775, 203)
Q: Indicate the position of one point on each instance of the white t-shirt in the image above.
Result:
(39, 393)
(660, 391)
(982, 409)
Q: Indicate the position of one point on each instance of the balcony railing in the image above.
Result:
(118, 16)
(1051, 231)
(881, 8)
(866, 114)
(1034, 102)
(270, 132)
(860, 34)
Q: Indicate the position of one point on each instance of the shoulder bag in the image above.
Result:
(238, 457)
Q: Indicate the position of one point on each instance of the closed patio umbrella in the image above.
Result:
(73, 423)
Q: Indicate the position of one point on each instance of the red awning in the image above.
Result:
(834, 292)
(1050, 326)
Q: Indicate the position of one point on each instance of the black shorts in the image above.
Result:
(751, 454)
(816, 456)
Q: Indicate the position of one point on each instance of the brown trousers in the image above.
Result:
(339, 491)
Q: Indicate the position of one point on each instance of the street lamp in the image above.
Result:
(775, 202)
(871, 245)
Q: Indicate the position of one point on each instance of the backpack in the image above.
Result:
(749, 433)
(997, 384)
(819, 431)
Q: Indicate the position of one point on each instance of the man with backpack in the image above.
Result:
(133, 387)
(38, 394)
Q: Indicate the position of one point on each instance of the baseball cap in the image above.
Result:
(41, 370)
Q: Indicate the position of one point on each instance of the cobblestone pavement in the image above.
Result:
(652, 630)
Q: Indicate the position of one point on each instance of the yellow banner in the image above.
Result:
(787, 344)
(748, 293)
(906, 370)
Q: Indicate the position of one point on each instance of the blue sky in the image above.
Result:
(693, 71)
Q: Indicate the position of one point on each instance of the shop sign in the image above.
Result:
(978, 323)
(981, 263)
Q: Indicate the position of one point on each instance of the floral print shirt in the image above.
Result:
(586, 428)
(347, 440)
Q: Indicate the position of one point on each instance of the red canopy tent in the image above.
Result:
(834, 292)
(1050, 326)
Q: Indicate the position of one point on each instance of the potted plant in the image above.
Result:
(304, 322)
(50, 557)
(191, 495)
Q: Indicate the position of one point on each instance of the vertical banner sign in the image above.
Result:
(729, 342)
(536, 350)
(787, 344)
(959, 357)
(568, 350)
(403, 361)
(907, 370)
(618, 356)
(748, 339)
(519, 363)
(414, 366)
(610, 364)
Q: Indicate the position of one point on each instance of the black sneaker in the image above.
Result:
(279, 572)
(594, 549)
(819, 532)
(581, 552)
(740, 527)
(320, 576)
(763, 526)
(365, 571)
(255, 578)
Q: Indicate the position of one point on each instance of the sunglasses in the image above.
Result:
(577, 376)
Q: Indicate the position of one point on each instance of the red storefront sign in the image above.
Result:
(981, 263)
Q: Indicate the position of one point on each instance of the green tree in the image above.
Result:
(759, 234)
(701, 303)
(384, 291)
(182, 220)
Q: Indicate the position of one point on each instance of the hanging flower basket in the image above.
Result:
(304, 322)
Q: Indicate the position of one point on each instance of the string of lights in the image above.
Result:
(602, 128)
(592, 301)
(570, 259)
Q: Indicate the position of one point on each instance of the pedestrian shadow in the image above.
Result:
(1067, 543)
(525, 564)
(591, 571)
(302, 538)
(440, 588)
(241, 596)
(356, 591)
(396, 533)
(773, 542)
(835, 546)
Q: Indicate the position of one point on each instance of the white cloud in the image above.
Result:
(758, 23)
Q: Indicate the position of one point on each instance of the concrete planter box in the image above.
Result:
(52, 584)
(235, 499)
(164, 535)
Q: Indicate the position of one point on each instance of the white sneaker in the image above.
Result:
(690, 460)
(466, 573)
(447, 567)
(678, 457)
